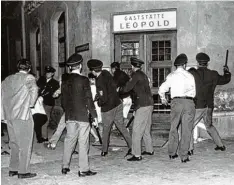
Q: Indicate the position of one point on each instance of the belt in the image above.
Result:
(183, 97)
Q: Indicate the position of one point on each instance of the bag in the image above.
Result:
(38, 108)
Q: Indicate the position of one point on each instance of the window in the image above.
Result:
(161, 57)
(61, 39)
(38, 52)
(128, 50)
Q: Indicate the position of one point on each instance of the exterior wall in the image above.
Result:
(78, 17)
(201, 27)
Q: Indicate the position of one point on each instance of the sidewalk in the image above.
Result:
(207, 167)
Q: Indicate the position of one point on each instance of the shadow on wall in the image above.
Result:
(224, 100)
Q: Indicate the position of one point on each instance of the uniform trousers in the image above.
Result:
(21, 138)
(141, 129)
(206, 115)
(77, 130)
(57, 134)
(182, 112)
(110, 117)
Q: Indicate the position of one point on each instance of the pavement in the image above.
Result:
(206, 166)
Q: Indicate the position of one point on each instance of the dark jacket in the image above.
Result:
(120, 79)
(47, 89)
(76, 97)
(206, 81)
(139, 83)
(106, 90)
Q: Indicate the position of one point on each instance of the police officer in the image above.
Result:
(143, 105)
(206, 81)
(121, 78)
(77, 102)
(110, 103)
(47, 87)
(182, 86)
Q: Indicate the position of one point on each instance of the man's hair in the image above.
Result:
(115, 65)
(24, 65)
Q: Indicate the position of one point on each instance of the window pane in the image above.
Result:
(161, 48)
(129, 49)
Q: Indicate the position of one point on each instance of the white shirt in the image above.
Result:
(180, 82)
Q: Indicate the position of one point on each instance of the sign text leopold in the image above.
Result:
(144, 21)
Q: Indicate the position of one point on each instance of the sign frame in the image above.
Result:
(141, 12)
(82, 48)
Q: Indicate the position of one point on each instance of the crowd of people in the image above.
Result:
(105, 97)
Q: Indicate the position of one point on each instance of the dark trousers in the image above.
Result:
(39, 121)
(109, 118)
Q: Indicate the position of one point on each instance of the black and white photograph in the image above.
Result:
(117, 92)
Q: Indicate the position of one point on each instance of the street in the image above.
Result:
(207, 167)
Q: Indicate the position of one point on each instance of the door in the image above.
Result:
(160, 54)
(127, 46)
(158, 51)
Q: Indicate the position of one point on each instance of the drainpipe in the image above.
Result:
(23, 29)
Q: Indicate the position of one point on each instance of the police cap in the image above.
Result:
(180, 60)
(94, 64)
(202, 58)
(74, 60)
(115, 65)
(136, 62)
(49, 69)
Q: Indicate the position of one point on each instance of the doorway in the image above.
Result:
(158, 50)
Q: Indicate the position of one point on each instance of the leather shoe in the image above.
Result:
(190, 152)
(13, 173)
(104, 154)
(185, 160)
(222, 148)
(26, 175)
(86, 173)
(147, 153)
(41, 140)
(134, 158)
(65, 170)
(173, 156)
(129, 152)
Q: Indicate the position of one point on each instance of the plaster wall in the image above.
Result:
(78, 17)
(201, 27)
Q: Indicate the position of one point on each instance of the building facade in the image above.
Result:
(154, 31)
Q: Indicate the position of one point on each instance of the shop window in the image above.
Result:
(61, 39)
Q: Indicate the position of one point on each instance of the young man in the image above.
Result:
(19, 93)
(206, 81)
(182, 87)
(77, 102)
(143, 105)
(110, 103)
(121, 78)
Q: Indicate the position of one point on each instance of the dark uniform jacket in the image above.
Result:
(106, 90)
(47, 89)
(139, 83)
(121, 78)
(206, 81)
(76, 97)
